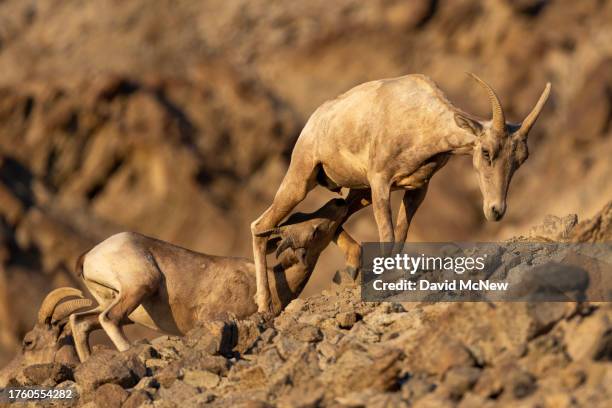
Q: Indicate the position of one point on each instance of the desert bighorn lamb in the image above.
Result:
(394, 134)
(137, 279)
(48, 342)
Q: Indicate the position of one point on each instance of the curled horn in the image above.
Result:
(498, 119)
(67, 308)
(52, 299)
(535, 112)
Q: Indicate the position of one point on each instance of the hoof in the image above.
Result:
(346, 277)
(352, 272)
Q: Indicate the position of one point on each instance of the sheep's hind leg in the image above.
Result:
(113, 317)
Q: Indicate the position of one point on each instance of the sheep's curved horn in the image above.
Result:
(52, 299)
(535, 112)
(498, 118)
(67, 308)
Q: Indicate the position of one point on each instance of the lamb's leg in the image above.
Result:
(81, 325)
(299, 180)
(410, 203)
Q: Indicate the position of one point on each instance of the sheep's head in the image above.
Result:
(499, 149)
(48, 342)
(303, 237)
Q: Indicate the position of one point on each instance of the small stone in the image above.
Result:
(296, 305)
(522, 384)
(147, 384)
(286, 346)
(201, 379)
(248, 334)
(346, 320)
(178, 391)
(459, 380)
(307, 333)
(154, 365)
(572, 378)
(136, 399)
(110, 395)
(416, 387)
(590, 338)
(167, 376)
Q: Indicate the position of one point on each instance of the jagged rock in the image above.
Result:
(554, 228)
(202, 361)
(596, 229)
(590, 338)
(105, 367)
(248, 333)
(305, 333)
(48, 375)
(216, 337)
(136, 399)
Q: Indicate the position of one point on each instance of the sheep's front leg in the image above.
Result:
(410, 203)
(381, 202)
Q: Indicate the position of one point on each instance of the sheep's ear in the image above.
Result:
(468, 124)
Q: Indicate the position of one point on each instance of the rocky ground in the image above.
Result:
(176, 119)
(331, 349)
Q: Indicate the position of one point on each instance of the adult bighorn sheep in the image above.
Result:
(137, 279)
(48, 342)
(394, 134)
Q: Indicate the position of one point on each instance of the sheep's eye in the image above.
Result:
(486, 155)
(28, 344)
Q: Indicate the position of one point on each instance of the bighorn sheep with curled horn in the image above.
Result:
(394, 134)
(48, 342)
(137, 279)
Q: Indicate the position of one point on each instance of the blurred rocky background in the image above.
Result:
(176, 118)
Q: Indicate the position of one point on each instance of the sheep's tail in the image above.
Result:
(79, 264)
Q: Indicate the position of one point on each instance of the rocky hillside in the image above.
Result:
(333, 350)
(176, 119)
